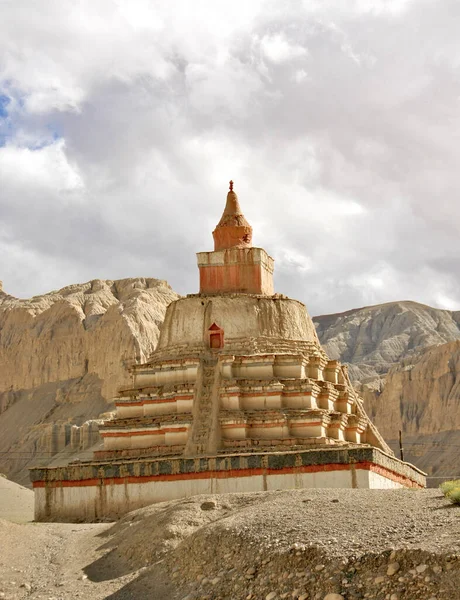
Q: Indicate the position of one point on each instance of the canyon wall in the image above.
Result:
(63, 355)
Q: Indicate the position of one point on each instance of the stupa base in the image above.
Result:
(100, 490)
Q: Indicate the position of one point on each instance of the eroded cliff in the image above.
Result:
(374, 338)
(405, 360)
(63, 356)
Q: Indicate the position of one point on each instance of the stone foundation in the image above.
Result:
(91, 491)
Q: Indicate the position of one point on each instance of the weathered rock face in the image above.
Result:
(374, 338)
(421, 397)
(422, 394)
(405, 360)
(63, 356)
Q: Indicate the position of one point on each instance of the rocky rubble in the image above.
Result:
(300, 544)
(283, 554)
(309, 575)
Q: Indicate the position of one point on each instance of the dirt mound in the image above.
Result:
(16, 502)
(291, 543)
(301, 544)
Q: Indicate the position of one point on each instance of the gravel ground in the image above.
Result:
(304, 544)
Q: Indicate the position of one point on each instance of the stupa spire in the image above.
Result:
(233, 230)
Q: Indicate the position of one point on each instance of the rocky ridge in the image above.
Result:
(63, 355)
(376, 338)
(404, 360)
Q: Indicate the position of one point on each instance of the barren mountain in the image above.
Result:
(62, 358)
(405, 359)
(374, 338)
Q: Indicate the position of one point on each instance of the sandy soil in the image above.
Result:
(16, 502)
(302, 544)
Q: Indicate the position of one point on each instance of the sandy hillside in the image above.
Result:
(307, 544)
(16, 502)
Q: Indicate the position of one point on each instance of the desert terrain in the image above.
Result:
(302, 544)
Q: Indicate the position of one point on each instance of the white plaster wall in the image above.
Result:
(166, 376)
(268, 433)
(331, 375)
(234, 433)
(130, 411)
(285, 371)
(159, 408)
(307, 431)
(353, 436)
(176, 439)
(344, 406)
(300, 401)
(336, 433)
(376, 481)
(230, 402)
(184, 405)
(315, 373)
(144, 440)
(188, 319)
(261, 402)
(253, 371)
(144, 379)
(326, 402)
(91, 502)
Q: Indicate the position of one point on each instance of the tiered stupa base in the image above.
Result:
(263, 412)
(108, 490)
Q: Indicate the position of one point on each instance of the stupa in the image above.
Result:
(238, 396)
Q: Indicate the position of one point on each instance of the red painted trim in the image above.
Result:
(233, 473)
(260, 395)
(267, 425)
(148, 432)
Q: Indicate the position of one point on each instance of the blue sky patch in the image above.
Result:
(4, 101)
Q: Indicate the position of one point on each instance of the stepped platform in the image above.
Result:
(99, 490)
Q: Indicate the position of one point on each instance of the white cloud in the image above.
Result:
(277, 49)
(300, 75)
(44, 169)
(336, 120)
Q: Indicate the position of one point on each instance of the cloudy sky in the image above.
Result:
(121, 122)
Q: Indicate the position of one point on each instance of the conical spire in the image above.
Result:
(232, 231)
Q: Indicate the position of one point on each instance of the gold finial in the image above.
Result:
(231, 185)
